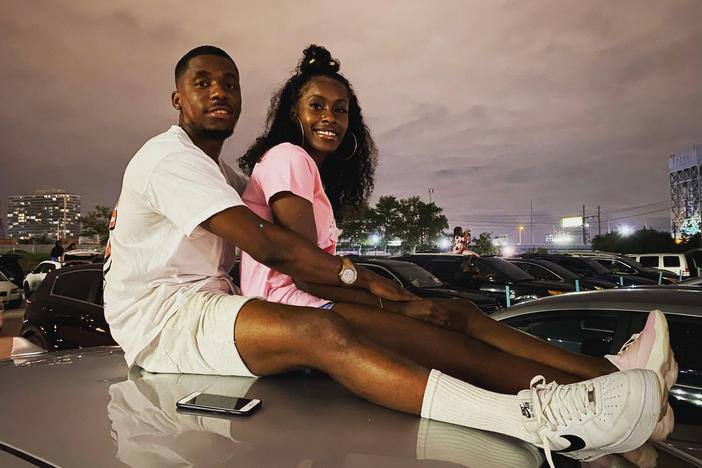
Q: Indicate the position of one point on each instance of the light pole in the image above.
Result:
(520, 229)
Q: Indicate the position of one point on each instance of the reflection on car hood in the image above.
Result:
(85, 408)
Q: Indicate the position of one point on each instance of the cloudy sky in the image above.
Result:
(495, 104)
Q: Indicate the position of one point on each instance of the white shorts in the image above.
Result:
(198, 338)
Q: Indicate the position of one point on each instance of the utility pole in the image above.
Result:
(531, 214)
(599, 222)
(584, 238)
(431, 190)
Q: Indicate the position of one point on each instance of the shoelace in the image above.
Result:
(628, 343)
(556, 405)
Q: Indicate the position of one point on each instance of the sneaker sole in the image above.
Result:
(641, 429)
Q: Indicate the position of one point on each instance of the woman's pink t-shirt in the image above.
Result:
(285, 168)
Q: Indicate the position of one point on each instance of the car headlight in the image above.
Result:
(555, 293)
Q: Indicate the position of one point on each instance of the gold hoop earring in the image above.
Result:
(355, 147)
(302, 131)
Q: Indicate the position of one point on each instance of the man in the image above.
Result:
(172, 307)
(57, 251)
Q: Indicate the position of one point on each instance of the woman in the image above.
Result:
(316, 159)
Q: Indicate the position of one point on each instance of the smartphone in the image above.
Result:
(220, 404)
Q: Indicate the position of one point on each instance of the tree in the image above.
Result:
(386, 219)
(97, 222)
(357, 227)
(483, 244)
(411, 220)
(421, 223)
(641, 241)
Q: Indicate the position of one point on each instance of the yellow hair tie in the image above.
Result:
(311, 61)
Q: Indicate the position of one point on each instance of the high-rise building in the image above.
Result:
(686, 191)
(51, 213)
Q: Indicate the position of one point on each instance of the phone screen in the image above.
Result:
(219, 403)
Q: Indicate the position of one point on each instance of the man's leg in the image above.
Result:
(273, 338)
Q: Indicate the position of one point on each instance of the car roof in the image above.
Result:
(680, 300)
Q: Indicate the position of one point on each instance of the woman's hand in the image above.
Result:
(385, 288)
(426, 311)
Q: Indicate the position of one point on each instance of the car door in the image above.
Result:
(76, 304)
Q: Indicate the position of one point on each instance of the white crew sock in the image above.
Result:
(453, 401)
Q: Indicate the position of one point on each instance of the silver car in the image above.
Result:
(82, 408)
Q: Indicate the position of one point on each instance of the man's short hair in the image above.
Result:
(183, 63)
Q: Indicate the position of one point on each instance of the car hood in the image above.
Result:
(84, 408)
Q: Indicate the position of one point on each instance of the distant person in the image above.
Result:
(57, 251)
(173, 309)
(461, 241)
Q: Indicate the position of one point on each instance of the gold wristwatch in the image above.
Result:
(348, 273)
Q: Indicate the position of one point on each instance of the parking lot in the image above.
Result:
(11, 326)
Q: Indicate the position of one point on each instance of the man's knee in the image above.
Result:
(326, 330)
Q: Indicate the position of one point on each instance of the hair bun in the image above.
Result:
(317, 59)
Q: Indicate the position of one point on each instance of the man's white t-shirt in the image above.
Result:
(158, 255)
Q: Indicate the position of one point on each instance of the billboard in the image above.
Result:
(573, 221)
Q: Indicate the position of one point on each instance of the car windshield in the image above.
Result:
(3, 277)
(88, 256)
(559, 270)
(417, 276)
(504, 268)
(616, 267)
(596, 267)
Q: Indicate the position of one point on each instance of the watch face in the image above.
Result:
(348, 276)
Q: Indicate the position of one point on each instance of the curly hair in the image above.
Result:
(347, 183)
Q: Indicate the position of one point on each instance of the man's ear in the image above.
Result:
(175, 100)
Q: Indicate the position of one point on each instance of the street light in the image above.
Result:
(520, 229)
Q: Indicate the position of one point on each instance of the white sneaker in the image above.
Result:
(614, 413)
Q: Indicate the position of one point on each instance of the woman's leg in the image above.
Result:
(451, 352)
(468, 318)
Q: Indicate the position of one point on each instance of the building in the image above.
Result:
(685, 194)
(48, 213)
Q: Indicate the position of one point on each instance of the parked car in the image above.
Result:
(621, 264)
(545, 270)
(599, 322)
(590, 268)
(10, 294)
(74, 257)
(99, 413)
(678, 263)
(423, 283)
(36, 276)
(694, 281)
(67, 310)
(9, 264)
(489, 275)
